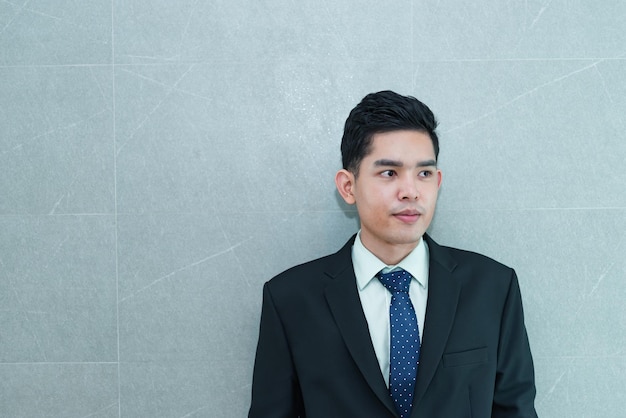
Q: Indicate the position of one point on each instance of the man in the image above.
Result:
(393, 325)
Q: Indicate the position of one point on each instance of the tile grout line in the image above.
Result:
(412, 73)
(116, 256)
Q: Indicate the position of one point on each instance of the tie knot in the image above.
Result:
(396, 281)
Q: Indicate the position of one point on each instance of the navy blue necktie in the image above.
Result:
(405, 341)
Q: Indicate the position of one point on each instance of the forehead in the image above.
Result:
(405, 145)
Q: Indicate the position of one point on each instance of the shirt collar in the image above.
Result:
(367, 265)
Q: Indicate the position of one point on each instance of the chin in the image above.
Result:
(407, 239)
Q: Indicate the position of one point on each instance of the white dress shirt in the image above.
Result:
(376, 299)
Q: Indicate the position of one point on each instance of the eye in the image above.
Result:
(388, 173)
(426, 173)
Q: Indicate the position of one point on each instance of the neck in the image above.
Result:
(390, 253)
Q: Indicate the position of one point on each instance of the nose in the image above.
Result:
(408, 189)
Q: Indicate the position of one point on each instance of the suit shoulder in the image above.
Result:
(295, 275)
(476, 258)
(452, 257)
(307, 280)
(470, 264)
(478, 271)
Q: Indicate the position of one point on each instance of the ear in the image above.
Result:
(439, 178)
(344, 180)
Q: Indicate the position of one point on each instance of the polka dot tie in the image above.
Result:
(405, 341)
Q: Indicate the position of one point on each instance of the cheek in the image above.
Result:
(371, 209)
(430, 194)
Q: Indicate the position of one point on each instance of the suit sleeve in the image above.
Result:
(275, 389)
(515, 379)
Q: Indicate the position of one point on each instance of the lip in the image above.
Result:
(407, 216)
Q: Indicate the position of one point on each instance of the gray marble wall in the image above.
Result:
(162, 159)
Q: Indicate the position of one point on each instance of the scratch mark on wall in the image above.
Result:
(52, 131)
(173, 88)
(196, 263)
(63, 196)
(543, 9)
(183, 35)
(169, 91)
(525, 94)
(194, 412)
(17, 13)
(600, 279)
(606, 90)
(556, 383)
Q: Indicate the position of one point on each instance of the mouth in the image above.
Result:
(408, 216)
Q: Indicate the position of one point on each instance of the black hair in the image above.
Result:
(381, 112)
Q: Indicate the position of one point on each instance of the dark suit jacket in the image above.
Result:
(315, 357)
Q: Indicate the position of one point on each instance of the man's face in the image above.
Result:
(395, 191)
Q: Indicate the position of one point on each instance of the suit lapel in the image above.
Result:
(343, 299)
(443, 295)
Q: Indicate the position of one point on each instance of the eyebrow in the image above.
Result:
(395, 163)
